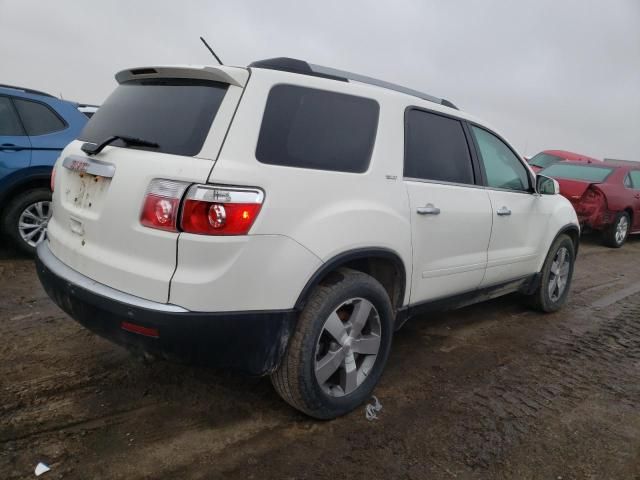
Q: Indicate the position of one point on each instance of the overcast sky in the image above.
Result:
(546, 73)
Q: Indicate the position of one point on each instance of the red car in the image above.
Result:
(549, 157)
(606, 196)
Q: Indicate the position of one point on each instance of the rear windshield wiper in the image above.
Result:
(92, 148)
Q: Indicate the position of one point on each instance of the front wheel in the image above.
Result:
(26, 218)
(340, 347)
(554, 280)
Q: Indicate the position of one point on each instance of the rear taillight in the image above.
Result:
(52, 183)
(592, 196)
(210, 210)
(161, 204)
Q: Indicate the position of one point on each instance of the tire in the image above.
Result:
(544, 299)
(617, 233)
(29, 199)
(340, 297)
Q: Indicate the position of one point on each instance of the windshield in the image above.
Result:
(572, 171)
(544, 160)
(175, 114)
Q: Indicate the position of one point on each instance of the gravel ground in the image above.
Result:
(490, 391)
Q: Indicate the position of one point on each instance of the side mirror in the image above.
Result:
(547, 185)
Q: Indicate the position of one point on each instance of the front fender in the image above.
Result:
(562, 219)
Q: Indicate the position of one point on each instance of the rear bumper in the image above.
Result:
(252, 342)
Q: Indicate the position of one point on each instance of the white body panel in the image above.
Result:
(449, 248)
(99, 233)
(249, 272)
(327, 212)
(517, 238)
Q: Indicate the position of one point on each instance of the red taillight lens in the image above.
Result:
(220, 211)
(161, 204)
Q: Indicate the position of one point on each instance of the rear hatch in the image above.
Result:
(182, 115)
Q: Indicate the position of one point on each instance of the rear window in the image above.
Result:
(543, 160)
(174, 113)
(577, 172)
(317, 129)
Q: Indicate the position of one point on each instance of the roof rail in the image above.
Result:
(293, 65)
(27, 90)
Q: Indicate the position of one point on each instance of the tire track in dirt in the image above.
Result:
(604, 359)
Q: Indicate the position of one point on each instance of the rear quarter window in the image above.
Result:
(317, 129)
(38, 118)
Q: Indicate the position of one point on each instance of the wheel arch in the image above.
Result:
(573, 232)
(385, 265)
(35, 177)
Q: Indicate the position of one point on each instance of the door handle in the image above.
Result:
(637, 195)
(503, 211)
(11, 147)
(428, 209)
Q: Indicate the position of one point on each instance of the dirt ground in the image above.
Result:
(490, 391)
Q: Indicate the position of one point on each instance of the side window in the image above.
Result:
(502, 167)
(317, 129)
(436, 148)
(635, 179)
(38, 119)
(9, 122)
(627, 181)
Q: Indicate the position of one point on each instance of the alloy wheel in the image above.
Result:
(32, 223)
(559, 274)
(621, 229)
(348, 346)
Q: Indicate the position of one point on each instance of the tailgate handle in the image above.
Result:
(89, 165)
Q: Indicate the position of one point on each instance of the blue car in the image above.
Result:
(34, 128)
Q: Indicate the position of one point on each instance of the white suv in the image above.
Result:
(285, 219)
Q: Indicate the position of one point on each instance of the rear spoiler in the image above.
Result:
(231, 75)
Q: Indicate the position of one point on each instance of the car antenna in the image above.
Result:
(211, 50)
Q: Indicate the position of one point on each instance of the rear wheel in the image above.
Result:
(617, 233)
(26, 218)
(554, 281)
(340, 347)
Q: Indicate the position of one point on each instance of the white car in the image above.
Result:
(284, 219)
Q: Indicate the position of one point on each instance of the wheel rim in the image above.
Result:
(621, 229)
(32, 223)
(347, 347)
(559, 275)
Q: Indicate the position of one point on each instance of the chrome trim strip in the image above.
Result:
(225, 194)
(63, 271)
(467, 185)
(89, 165)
